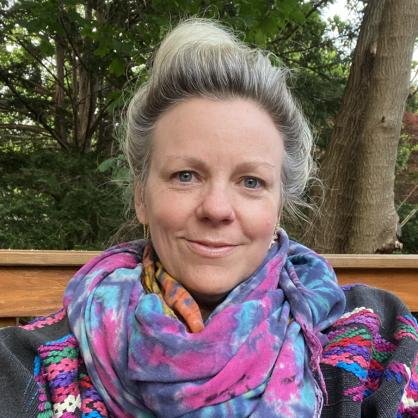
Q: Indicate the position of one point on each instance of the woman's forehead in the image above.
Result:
(206, 125)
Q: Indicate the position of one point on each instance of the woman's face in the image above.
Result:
(212, 197)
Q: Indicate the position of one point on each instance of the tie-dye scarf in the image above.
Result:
(257, 355)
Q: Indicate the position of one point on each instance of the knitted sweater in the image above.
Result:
(369, 364)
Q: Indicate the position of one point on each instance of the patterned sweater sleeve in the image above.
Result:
(370, 361)
(18, 389)
(369, 365)
(42, 374)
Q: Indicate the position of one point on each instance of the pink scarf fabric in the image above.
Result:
(257, 355)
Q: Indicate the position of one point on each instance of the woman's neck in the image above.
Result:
(207, 306)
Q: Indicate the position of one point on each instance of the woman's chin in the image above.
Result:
(211, 283)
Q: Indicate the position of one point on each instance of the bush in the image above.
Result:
(56, 200)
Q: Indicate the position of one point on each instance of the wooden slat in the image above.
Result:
(32, 282)
(45, 258)
(8, 322)
(403, 283)
(374, 261)
(32, 291)
(78, 258)
(39, 291)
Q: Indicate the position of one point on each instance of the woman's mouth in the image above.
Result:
(210, 249)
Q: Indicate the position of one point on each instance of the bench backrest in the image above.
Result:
(32, 282)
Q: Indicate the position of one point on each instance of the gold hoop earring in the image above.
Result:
(276, 230)
(275, 237)
(145, 231)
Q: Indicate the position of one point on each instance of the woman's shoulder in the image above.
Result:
(370, 360)
(20, 348)
(42, 372)
(26, 339)
(381, 301)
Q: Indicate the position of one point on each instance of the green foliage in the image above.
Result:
(406, 148)
(409, 236)
(54, 174)
(55, 187)
(104, 45)
(407, 182)
(56, 200)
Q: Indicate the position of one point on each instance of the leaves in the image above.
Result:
(60, 182)
(75, 207)
(57, 187)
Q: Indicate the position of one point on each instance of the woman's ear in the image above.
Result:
(140, 209)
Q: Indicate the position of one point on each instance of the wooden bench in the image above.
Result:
(32, 282)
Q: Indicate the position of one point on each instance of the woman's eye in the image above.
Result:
(184, 176)
(252, 182)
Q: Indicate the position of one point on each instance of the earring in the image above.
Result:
(275, 237)
(276, 230)
(145, 231)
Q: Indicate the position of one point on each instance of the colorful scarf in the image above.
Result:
(176, 300)
(256, 356)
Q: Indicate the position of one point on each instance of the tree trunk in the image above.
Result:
(358, 213)
(59, 119)
(87, 91)
(105, 127)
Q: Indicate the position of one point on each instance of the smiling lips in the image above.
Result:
(210, 249)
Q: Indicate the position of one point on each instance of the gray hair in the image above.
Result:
(200, 58)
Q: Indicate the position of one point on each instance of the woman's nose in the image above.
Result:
(216, 205)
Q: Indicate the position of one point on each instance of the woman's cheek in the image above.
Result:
(172, 212)
(263, 219)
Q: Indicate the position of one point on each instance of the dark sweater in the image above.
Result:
(369, 364)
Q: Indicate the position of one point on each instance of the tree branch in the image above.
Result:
(292, 31)
(35, 114)
(33, 55)
(22, 127)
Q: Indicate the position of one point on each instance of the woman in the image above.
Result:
(218, 314)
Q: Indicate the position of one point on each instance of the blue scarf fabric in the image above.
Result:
(257, 355)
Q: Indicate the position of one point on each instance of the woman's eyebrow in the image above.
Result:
(185, 159)
(248, 164)
(253, 164)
